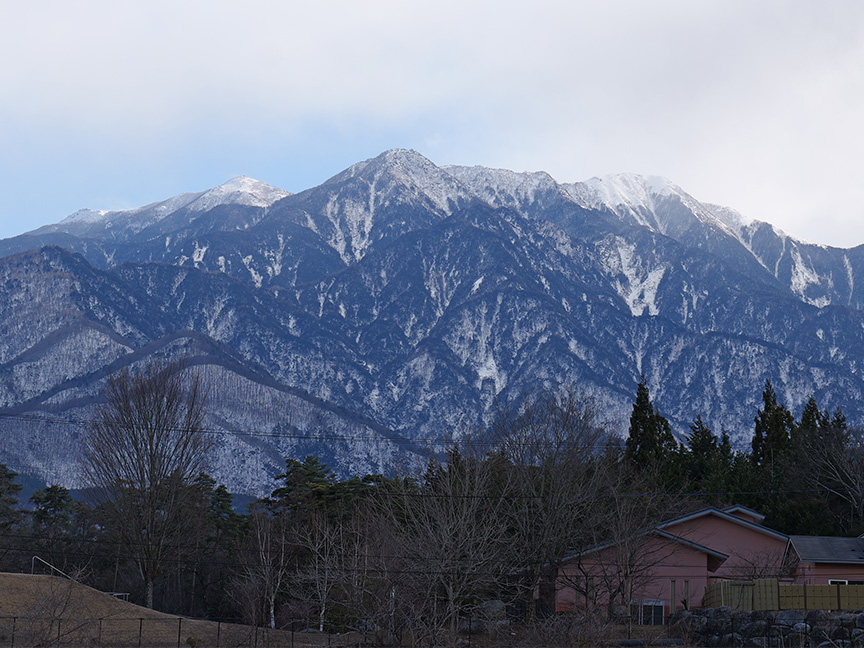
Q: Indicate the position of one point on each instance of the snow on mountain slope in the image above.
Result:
(646, 200)
(503, 188)
(410, 171)
(240, 190)
(119, 225)
(408, 298)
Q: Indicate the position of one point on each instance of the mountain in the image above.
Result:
(401, 303)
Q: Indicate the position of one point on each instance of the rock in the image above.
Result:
(731, 639)
(817, 617)
(840, 633)
(719, 621)
(818, 634)
(859, 620)
(847, 620)
(801, 628)
(754, 629)
(791, 617)
(493, 609)
(796, 639)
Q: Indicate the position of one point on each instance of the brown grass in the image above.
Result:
(38, 610)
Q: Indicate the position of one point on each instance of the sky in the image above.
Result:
(114, 104)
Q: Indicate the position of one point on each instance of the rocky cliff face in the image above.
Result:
(396, 304)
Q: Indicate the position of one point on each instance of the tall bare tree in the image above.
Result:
(269, 560)
(451, 533)
(549, 479)
(142, 453)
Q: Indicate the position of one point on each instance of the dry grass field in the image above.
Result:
(38, 610)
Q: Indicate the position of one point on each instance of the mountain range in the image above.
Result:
(400, 304)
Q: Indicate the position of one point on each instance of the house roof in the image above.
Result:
(746, 511)
(658, 532)
(725, 516)
(828, 549)
(693, 545)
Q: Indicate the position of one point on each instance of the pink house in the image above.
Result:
(652, 574)
(825, 560)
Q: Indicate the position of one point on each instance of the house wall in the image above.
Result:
(752, 554)
(661, 561)
(808, 573)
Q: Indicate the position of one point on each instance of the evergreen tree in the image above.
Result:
(811, 418)
(650, 441)
(774, 429)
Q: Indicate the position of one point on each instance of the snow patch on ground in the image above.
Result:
(804, 275)
(257, 278)
(639, 289)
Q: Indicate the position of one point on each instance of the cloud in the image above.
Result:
(756, 105)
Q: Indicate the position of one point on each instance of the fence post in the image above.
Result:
(140, 629)
(14, 622)
(99, 636)
(218, 632)
(179, 629)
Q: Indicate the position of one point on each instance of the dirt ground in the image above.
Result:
(39, 610)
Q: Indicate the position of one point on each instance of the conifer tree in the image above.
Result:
(650, 439)
(811, 418)
(774, 429)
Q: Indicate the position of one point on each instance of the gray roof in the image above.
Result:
(828, 549)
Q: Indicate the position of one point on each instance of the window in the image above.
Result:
(647, 612)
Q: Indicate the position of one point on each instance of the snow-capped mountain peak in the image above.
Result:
(627, 190)
(85, 216)
(240, 190)
(645, 200)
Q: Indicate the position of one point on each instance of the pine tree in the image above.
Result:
(774, 429)
(650, 440)
(811, 418)
(702, 450)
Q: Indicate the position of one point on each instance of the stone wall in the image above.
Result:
(724, 626)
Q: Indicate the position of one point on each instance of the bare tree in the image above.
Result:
(833, 462)
(623, 547)
(269, 559)
(326, 542)
(452, 535)
(142, 453)
(550, 478)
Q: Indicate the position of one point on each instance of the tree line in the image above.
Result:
(486, 519)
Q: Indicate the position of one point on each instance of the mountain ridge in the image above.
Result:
(406, 303)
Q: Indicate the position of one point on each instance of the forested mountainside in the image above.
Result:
(400, 303)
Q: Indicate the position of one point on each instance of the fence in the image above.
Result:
(142, 632)
(770, 594)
